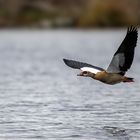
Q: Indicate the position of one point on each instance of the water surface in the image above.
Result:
(43, 99)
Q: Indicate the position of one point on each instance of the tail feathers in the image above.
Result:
(128, 79)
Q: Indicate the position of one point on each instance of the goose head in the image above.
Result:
(86, 74)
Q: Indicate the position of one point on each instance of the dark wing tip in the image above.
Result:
(133, 29)
(66, 61)
(75, 64)
(126, 48)
(72, 63)
(79, 65)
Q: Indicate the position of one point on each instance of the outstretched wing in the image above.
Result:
(82, 66)
(123, 57)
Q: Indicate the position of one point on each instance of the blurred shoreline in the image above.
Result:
(54, 14)
(64, 29)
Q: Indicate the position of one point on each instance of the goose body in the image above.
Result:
(120, 63)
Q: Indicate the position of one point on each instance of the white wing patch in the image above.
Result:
(93, 70)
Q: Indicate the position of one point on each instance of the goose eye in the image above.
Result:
(85, 72)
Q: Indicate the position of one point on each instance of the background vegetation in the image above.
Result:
(69, 13)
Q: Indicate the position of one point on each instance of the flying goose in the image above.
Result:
(120, 62)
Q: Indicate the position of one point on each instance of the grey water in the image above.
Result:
(43, 99)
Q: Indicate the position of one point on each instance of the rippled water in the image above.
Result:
(43, 99)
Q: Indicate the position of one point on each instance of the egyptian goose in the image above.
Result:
(120, 63)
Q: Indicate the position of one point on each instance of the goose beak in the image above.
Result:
(80, 74)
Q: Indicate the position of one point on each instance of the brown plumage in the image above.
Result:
(108, 78)
(121, 62)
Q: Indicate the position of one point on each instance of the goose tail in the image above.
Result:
(128, 79)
